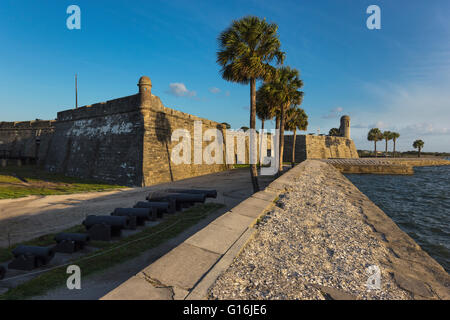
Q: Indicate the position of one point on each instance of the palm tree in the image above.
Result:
(265, 110)
(387, 135)
(395, 136)
(418, 144)
(265, 106)
(247, 48)
(375, 135)
(285, 90)
(226, 124)
(334, 132)
(297, 120)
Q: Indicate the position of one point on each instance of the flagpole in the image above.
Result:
(76, 92)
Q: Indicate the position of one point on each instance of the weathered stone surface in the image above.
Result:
(383, 165)
(318, 147)
(182, 267)
(26, 139)
(138, 288)
(234, 221)
(265, 195)
(334, 294)
(215, 238)
(252, 207)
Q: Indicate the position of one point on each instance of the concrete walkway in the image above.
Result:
(30, 217)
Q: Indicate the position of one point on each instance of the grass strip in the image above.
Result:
(16, 182)
(114, 253)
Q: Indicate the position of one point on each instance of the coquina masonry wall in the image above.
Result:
(318, 147)
(159, 123)
(125, 141)
(26, 139)
(102, 142)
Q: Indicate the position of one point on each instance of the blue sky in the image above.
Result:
(396, 78)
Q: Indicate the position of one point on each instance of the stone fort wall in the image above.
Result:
(159, 123)
(102, 142)
(318, 147)
(127, 141)
(26, 139)
(124, 141)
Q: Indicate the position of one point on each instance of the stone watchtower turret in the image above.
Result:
(344, 130)
(145, 90)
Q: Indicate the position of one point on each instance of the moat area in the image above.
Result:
(419, 204)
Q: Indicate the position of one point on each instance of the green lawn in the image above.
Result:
(113, 253)
(16, 182)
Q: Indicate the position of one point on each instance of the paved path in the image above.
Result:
(27, 218)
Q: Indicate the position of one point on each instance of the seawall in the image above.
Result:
(383, 165)
(311, 234)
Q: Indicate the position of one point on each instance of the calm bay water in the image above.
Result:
(418, 204)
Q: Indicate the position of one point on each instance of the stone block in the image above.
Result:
(182, 267)
(215, 237)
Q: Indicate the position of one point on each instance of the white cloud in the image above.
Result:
(214, 90)
(359, 126)
(334, 113)
(179, 90)
(380, 125)
(415, 111)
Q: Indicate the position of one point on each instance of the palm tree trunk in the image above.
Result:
(261, 158)
(394, 149)
(253, 171)
(419, 153)
(385, 151)
(281, 139)
(375, 143)
(293, 147)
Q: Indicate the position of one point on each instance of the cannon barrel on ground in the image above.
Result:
(2, 272)
(70, 242)
(210, 193)
(45, 252)
(168, 206)
(76, 237)
(120, 222)
(102, 228)
(180, 198)
(30, 257)
(141, 214)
